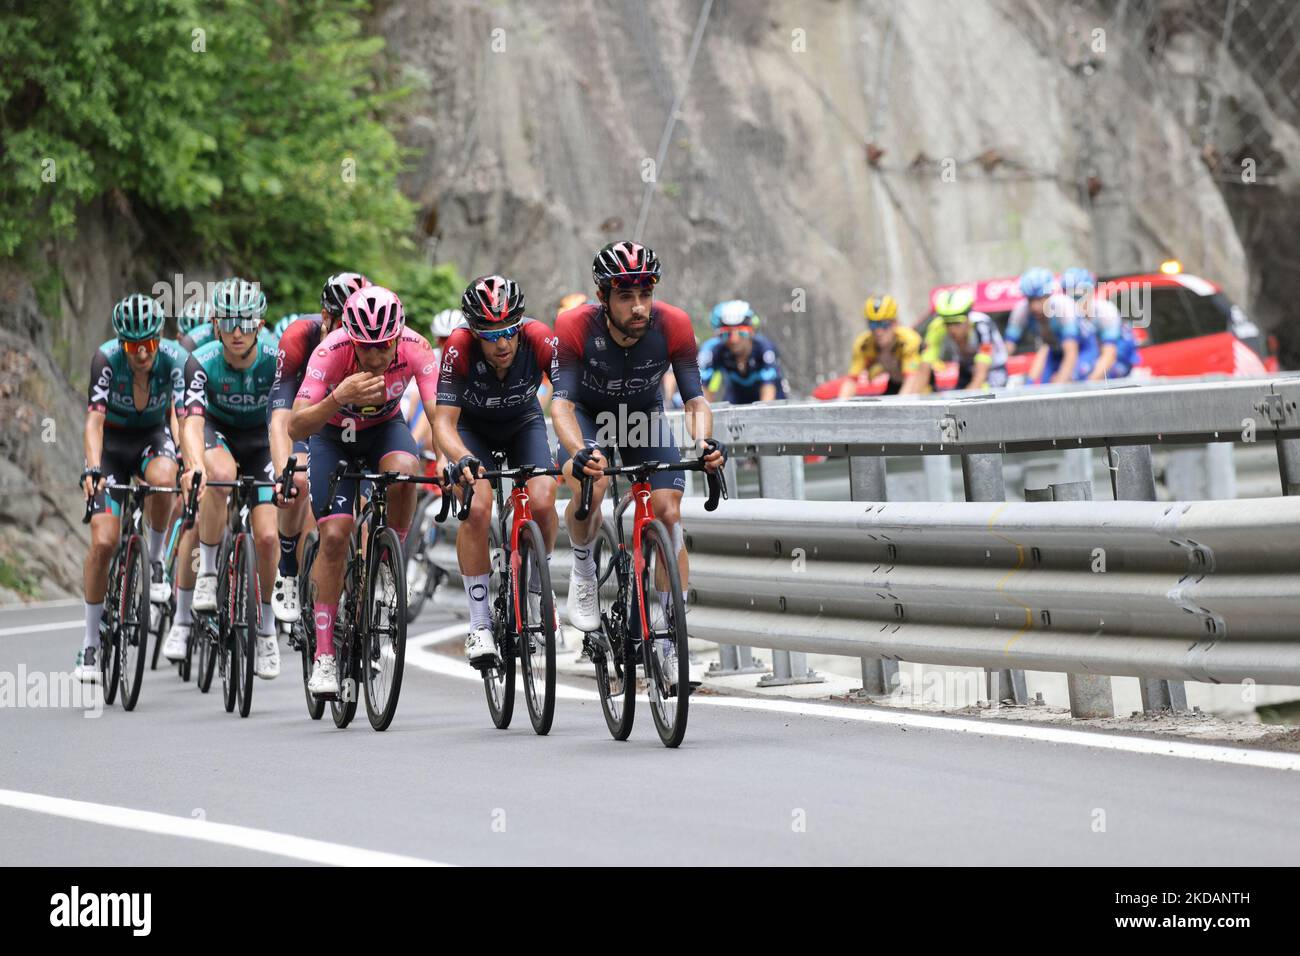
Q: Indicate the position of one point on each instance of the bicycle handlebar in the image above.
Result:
(383, 478)
(112, 487)
(715, 481)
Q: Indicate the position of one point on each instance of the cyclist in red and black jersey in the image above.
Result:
(297, 342)
(611, 360)
(487, 401)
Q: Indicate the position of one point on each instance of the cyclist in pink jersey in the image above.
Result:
(349, 409)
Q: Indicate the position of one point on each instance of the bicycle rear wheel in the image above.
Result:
(227, 643)
(344, 707)
(205, 631)
(384, 640)
(660, 589)
(611, 648)
(418, 561)
(306, 624)
(133, 620)
(245, 613)
(184, 666)
(536, 631)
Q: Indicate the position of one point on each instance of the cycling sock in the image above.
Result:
(288, 555)
(584, 565)
(324, 616)
(208, 558)
(93, 614)
(679, 537)
(184, 601)
(476, 589)
(268, 619)
(665, 601)
(157, 542)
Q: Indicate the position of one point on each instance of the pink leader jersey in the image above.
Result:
(335, 359)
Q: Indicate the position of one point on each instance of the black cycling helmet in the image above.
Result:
(625, 262)
(491, 301)
(338, 288)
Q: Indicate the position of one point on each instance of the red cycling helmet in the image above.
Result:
(490, 301)
(338, 288)
(625, 263)
(373, 315)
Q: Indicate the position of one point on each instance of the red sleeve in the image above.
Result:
(455, 365)
(545, 346)
(683, 350)
(571, 332)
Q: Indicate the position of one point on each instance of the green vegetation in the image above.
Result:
(252, 133)
(13, 577)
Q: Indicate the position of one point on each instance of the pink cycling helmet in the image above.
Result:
(372, 315)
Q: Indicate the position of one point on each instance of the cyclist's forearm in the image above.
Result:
(978, 376)
(192, 441)
(281, 443)
(767, 393)
(1069, 359)
(445, 435)
(565, 421)
(307, 419)
(1104, 361)
(699, 418)
(93, 439)
(1040, 361)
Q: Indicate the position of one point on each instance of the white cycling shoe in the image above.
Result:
(324, 680)
(205, 593)
(284, 599)
(584, 608)
(668, 660)
(178, 642)
(479, 644)
(160, 589)
(267, 665)
(88, 665)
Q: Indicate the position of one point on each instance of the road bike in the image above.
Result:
(634, 627)
(422, 576)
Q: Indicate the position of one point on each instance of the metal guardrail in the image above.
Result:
(1166, 592)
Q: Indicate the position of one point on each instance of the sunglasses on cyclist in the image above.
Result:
(229, 324)
(742, 333)
(955, 319)
(498, 334)
(142, 347)
(633, 281)
(882, 324)
(372, 346)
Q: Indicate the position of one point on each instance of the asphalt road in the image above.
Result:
(750, 785)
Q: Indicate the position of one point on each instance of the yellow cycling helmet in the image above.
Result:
(882, 308)
(954, 304)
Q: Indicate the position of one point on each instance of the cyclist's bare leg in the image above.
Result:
(582, 532)
(667, 504)
(187, 558)
(104, 529)
(220, 465)
(292, 521)
(472, 535)
(327, 571)
(541, 499)
(267, 543)
(158, 508)
(401, 498)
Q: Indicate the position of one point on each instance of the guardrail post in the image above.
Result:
(1288, 464)
(982, 479)
(867, 483)
(1090, 694)
(781, 476)
(1134, 480)
(938, 477)
(732, 473)
(734, 659)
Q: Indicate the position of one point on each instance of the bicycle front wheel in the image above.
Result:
(499, 681)
(536, 632)
(384, 644)
(344, 707)
(133, 621)
(612, 651)
(306, 624)
(245, 614)
(667, 666)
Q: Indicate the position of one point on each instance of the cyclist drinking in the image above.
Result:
(611, 359)
(487, 401)
(136, 379)
(349, 405)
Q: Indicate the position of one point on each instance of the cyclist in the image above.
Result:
(440, 329)
(1067, 344)
(740, 357)
(197, 313)
(136, 379)
(349, 406)
(226, 430)
(611, 358)
(487, 401)
(958, 334)
(297, 342)
(1117, 351)
(887, 347)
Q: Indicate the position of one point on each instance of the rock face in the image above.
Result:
(825, 150)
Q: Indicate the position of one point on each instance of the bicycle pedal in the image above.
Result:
(485, 663)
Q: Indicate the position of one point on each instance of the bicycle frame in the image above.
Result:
(640, 494)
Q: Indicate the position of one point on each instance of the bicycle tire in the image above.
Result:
(228, 663)
(246, 615)
(384, 639)
(307, 624)
(499, 682)
(418, 544)
(536, 638)
(665, 622)
(133, 626)
(615, 662)
(110, 661)
(344, 707)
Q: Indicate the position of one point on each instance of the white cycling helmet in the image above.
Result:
(446, 322)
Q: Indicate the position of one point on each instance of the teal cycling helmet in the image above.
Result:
(1037, 283)
(284, 323)
(1077, 281)
(138, 317)
(195, 313)
(238, 299)
(731, 314)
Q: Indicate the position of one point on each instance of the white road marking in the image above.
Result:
(227, 834)
(1274, 760)
(36, 628)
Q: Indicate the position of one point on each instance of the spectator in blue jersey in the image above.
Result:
(1067, 344)
(1117, 350)
(737, 363)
